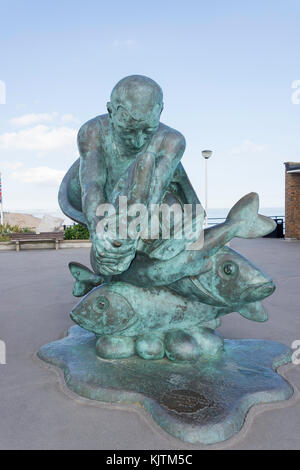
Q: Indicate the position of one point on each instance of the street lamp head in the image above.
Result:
(206, 154)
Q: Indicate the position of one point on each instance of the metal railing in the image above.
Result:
(218, 220)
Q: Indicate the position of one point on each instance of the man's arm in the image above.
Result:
(110, 259)
(92, 172)
(172, 150)
(182, 178)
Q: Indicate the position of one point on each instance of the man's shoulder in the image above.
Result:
(92, 130)
(169, 137)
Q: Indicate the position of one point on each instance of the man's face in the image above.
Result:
(134, 134)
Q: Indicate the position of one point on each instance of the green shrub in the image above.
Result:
(77, 232)
(4, 238)
(6, 230)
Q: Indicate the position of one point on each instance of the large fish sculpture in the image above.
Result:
(121, 308)
(225, 282)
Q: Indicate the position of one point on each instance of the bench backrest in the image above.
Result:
(37, 236)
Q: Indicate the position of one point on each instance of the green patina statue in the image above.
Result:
(154, 296)
(159, 283)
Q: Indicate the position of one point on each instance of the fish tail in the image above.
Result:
(85, 279)
(249, 223)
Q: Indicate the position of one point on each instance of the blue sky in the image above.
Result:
(226, 68)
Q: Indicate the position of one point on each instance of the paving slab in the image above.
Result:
(38, 412)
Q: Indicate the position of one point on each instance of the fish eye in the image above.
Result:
(101, 304)
(228, 269)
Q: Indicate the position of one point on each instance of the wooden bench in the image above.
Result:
(19, 238)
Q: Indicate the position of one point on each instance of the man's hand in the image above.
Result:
(113, 256)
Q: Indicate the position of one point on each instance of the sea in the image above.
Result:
(215, 216)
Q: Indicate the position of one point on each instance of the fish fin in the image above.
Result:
(81, 272)
(251, 224)
(265, 225)
(254, 311)
(85, 279)
(81, 288)
(212, 324)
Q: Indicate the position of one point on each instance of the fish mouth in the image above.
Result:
(258, 291)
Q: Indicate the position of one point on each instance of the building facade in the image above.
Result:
(292, 200)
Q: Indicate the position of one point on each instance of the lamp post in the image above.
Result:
(1, 205)
(206, 154)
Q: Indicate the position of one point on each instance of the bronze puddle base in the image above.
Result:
(198, 402)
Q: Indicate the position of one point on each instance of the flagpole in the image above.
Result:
(206, 154)
(1, 204)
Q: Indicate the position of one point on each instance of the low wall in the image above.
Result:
(10, 246)
(75, 244)
(6, 246)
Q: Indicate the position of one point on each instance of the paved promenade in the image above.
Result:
(37, 412)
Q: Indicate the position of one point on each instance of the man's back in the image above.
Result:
(95, 138)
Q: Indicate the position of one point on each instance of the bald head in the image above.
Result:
(141, 96)
(134, 111)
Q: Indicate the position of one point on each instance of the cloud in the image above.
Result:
(248, 146)
(65, 118)
(39, 175)
(40, 138)
(31, 119)
(10, 165)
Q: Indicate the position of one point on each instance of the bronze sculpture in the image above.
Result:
(128, 152)
(159, 285)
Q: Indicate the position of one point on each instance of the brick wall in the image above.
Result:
(292, 204)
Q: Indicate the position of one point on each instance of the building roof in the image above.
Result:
(292, 167)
